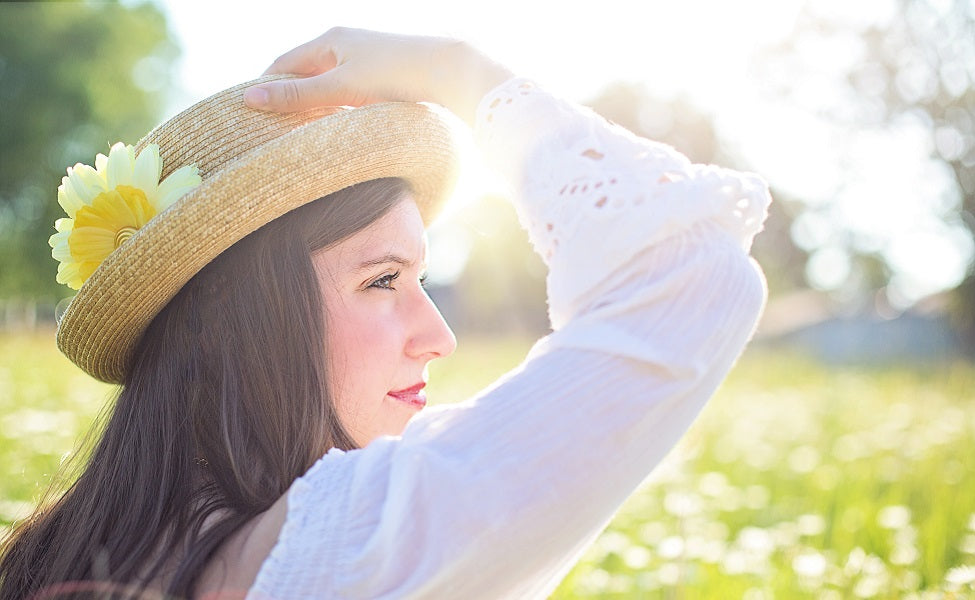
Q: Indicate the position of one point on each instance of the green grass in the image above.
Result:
(46, 406)
(797, 481)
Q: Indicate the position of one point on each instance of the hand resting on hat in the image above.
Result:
(354, 67)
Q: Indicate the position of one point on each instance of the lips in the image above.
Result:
(412, 395)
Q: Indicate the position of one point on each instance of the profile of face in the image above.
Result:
(382, 328)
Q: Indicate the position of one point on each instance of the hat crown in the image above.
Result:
(215, 131)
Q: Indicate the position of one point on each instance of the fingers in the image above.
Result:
(355, 67)
(310, 58)
(316, 61)
(292, 95)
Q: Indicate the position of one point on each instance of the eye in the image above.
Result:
(385, 282)
(423, 280)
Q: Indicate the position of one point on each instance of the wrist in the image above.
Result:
(465, 76)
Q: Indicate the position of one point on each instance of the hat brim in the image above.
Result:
(416, 142)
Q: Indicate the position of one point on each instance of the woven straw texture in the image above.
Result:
(255, 167)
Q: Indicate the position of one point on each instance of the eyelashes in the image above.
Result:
(385, 282)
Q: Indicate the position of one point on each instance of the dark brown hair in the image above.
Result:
(225, 404)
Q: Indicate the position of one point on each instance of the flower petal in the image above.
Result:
(70, 275)
(177, 185)
(125, 206)
(60, 250)
(63, 225)
(93, 180)
(121, 165)
(91, 244)
(137, 205)
(69, 200)
(81, 185)
(148, 168)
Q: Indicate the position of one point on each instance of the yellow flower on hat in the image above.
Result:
(108, 204)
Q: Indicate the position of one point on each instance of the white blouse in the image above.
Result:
(652, 297)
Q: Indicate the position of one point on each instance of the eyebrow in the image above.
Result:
(382, 260)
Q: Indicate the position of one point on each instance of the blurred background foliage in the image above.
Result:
(73, 79)
(910, 69)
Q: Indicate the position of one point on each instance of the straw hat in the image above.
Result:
(255, 166)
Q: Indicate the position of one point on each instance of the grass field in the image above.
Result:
(797, 481)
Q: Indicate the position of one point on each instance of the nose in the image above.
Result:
(432, 337)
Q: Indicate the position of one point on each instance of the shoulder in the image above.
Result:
(232, 570)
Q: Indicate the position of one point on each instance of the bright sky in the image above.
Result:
(573, 47)
(701, 48)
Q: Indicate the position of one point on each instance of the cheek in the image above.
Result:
(346, 341)
(365, 360)
(362, 354)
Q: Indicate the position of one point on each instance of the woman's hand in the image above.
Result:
(355, 67)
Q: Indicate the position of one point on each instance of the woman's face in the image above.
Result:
(382, 327)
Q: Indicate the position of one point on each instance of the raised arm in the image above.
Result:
(354, 67)
(652, 297)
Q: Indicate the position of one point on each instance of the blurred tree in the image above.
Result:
(898, 62)
(74, 77)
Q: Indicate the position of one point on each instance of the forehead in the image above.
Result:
(399, 232)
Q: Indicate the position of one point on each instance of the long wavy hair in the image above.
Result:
(225, 404)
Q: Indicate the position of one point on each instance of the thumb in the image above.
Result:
(293, 95)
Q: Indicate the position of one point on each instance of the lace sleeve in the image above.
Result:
(578, 177)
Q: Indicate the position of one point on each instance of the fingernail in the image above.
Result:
(256, 97)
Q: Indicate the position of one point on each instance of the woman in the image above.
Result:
(268, 438)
